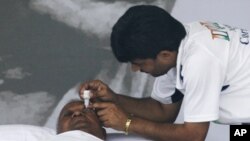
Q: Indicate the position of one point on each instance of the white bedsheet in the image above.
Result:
(24, 133)
(123, 137)
(73, 136)
(37, 133)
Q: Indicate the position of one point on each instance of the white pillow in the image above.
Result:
(24, 133)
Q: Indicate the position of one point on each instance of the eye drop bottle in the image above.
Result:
(86, 97)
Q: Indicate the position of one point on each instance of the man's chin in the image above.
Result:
(80, 129)
(156, 75)
(81, 126)
(159, 74)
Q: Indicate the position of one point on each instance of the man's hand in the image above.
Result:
(99, 90)
(111, 115)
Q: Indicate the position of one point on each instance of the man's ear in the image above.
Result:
(167, 57)
(164, 55)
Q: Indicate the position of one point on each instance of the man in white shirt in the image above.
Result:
(203, 66)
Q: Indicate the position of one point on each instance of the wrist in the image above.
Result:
(128, 123)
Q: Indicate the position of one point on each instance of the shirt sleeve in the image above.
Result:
(164, 89)
(203, 79)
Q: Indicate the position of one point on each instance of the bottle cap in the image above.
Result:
(86, 94)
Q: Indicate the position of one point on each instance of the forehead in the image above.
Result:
(74, 104)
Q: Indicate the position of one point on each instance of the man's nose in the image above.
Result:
(77, 113)
(135, 68)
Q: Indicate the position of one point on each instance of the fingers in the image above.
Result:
(99, 90)
(94, 86)
(101, 112)
(102, 105)
(111, 115)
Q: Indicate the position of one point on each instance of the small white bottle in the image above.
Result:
(86, 97)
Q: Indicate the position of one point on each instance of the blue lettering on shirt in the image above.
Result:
(244, 39)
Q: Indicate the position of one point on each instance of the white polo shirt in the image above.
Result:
(213, 73)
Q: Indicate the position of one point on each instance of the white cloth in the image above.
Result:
(20, 132)
(213, 74)
(24, 133)
(164, 87)
(75, 135)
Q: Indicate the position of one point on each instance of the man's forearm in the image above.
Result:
(148, 108)
(170, 132)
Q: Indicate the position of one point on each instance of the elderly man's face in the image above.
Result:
(74, 116)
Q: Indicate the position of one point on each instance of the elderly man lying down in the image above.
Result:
(74, 116)
(75, 123)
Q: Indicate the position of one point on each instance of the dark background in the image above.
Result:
(42, 57)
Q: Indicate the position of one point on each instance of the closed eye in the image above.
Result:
(67, 113)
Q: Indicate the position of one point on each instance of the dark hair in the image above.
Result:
(143, 31)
